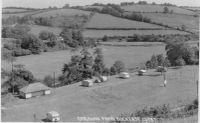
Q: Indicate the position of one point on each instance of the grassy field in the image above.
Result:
(62, 12)
(190, 22)
(35, 29)
(47, 63)
(96, 7)
(108, 21)
(4, 10)
(156, 8)
(193, 119)
(112, 98)
(22, 14)
(101, 33)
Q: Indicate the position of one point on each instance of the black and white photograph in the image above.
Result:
(92, 61)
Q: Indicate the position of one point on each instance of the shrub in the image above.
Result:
(21, 52)
(117, 67)
(179, 62)
(49, 81)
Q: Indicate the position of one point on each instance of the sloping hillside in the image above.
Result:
(156, 8)
(190, 22)
(10, 10)
(62, 12)
(108, 21)
(21, 14)
(35, 29)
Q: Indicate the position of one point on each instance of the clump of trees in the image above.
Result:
(157, 60)
(87, 65)
(17, 78)
(180, 53)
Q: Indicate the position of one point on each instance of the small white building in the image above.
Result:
(34, 89)
(87, 83)
(53, 116)
(124, 75)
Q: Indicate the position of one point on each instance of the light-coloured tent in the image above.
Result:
(34, 89)
(124, 75)
(88, 82)
(101, 79)
(141, 72)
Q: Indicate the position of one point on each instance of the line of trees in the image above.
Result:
(153, 38)
(177, 54)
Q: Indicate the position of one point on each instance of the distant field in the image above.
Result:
(156, 8)
(4, 10)
(108, 21)
(47, 63)
(22, 14)
(192, 8)
(35, 29)
(101, 33)
(96, 7)
(62, 12)
(190, 22)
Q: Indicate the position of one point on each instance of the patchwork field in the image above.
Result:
(62, 12)
(47, 63)
(101, 33)
(112, 98)
(190, 22)
(156, 8)
(35, 29)
(108, 21)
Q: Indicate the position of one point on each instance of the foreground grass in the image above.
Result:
(192, 119)
(111, 98)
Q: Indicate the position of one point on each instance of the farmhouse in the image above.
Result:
(35, 89)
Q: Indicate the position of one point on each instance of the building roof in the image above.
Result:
(53, 113)
(34, 87)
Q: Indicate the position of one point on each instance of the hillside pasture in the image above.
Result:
(190, 22)
(101, 33)
(36, 29)
(21, 14)
(96, 7)
(112, 98)
(49, 62)
(156, 8)
(61, 12)
(12, 10)
(101, 21)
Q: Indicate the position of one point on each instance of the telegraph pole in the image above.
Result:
(12, 75)
(54, 78)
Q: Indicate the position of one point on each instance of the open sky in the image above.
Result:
(60, 3)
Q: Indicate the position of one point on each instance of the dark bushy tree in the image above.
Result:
(117, 67)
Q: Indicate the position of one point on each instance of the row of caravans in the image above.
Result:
(90, 82)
